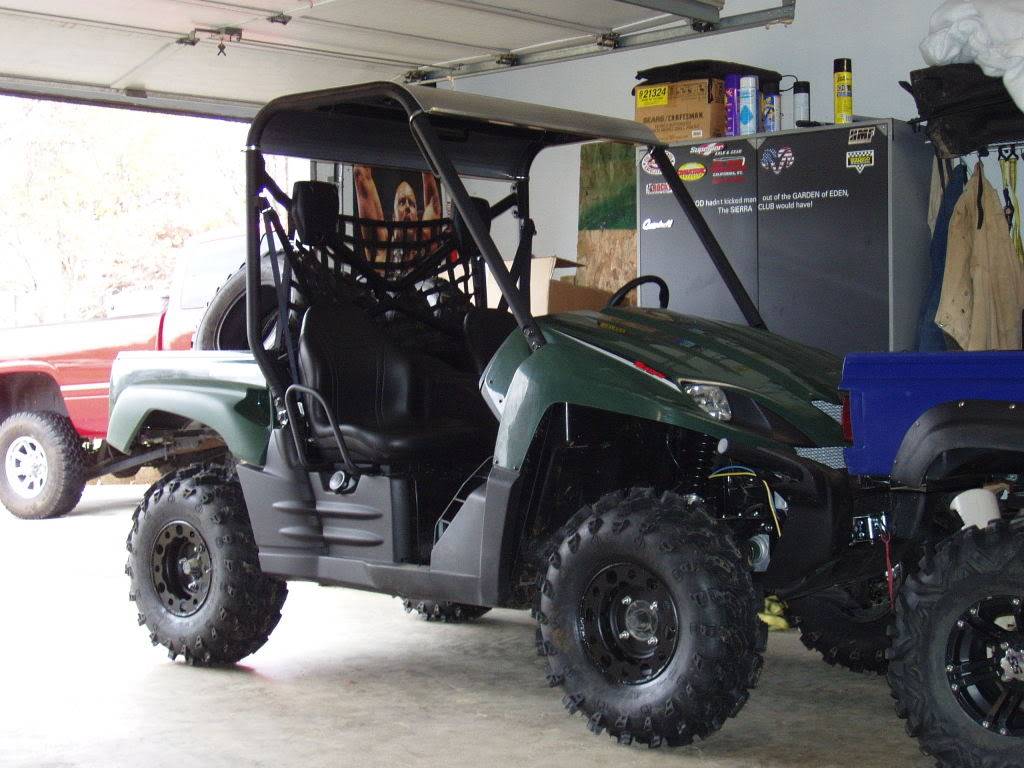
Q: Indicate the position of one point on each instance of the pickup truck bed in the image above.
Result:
(889, 392)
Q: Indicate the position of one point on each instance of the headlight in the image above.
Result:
(710, 399)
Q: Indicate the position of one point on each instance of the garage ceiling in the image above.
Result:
(227, 58)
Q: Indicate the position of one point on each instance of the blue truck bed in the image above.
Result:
(889, 391)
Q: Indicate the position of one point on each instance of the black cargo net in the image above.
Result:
(409, 276)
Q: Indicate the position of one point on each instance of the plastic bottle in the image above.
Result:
(732, 105)
(801, 102)
(842, 80)
(749, 107)
(771, 108)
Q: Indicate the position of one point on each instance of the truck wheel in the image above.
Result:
(648, 619)
(44, 465)
(444, 610)
(222, 325)
(848, 628)
(194, 570)
(957, 661)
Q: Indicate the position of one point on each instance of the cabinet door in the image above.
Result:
(722, 177)
(823, 245)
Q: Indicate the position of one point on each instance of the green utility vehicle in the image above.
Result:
(640, 478)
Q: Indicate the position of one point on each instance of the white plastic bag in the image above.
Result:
(989, 33)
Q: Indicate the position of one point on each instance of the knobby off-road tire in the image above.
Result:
(845, 632)
(637, 566)
(974, 576)
(195, 575)
(444, 610)
(44, 466)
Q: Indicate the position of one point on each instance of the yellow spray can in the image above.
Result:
(842, 80)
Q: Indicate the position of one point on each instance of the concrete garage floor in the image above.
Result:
(347, 679)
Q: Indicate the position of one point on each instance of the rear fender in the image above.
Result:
(952, 437)
(240, 414)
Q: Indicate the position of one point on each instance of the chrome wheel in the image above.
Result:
(26, 467)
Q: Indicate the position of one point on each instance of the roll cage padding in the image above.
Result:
(945, 437)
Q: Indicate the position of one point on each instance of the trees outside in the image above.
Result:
(96, 202)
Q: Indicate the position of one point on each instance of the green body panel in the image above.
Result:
(589, 361)
(222, 390)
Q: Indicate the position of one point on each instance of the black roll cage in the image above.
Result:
(451, 135)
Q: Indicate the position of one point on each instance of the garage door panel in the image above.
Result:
(24, 56)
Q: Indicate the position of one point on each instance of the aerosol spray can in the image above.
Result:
(842, 80)
(732, 105)
(771, 108)
(749, 106)
(801, 102)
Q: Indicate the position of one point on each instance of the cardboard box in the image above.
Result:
(548, 296)
(681, 111)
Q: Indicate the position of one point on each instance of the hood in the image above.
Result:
(782, 376)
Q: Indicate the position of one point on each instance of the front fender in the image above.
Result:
(240, 415)
(569, 372)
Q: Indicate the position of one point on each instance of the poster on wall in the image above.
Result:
(400, 204)
(606, 244)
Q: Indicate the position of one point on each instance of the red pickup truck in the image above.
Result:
(54, 383)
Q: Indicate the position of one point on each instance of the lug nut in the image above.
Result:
(627, 600)
(653, 641)
(654, 606)
(623, 635)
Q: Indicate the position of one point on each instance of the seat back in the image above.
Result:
(366, 379)
(467, 245)
(314, 212)
(486, 330)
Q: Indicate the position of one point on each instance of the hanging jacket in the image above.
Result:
(983, 284)
(930, 337)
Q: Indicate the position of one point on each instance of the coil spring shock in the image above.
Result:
(695, 458)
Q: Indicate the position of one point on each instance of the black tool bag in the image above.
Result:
(700, 69)
(966, 110)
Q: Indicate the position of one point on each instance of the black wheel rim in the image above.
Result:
(628, 623)
(985, 663)
(181, 568)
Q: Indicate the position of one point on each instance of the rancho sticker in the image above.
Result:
(859, 159)
(658, 188)
(692, 171)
